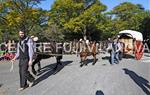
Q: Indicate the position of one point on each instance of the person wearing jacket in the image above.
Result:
(25, 54)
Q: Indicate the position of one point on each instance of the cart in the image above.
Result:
(133, 43)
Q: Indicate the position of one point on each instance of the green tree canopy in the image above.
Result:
(145, 24)
(126, 16)
(77, 15)
(16, 15)
(70, 19)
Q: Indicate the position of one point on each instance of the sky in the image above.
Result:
(46, 4)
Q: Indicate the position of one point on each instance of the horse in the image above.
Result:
(87, 50)
(40, 56)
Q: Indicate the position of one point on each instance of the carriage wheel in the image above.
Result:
(138, 55)
(139, 50)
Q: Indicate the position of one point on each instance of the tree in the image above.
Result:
(53, 33)
(145, 24)
(16, 15)
(126, 10)
(140, 6)
(77, 15)
(127, 16)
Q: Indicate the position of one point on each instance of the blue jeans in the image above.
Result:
(114, 58)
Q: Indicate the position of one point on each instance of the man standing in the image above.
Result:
(25, 54)
(121, 51)
(115, 52)
(109, 45)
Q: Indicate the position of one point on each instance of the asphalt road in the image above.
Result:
(129, 77)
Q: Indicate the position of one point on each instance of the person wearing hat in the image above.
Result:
(25, 54)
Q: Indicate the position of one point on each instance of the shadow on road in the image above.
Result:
(128, 56)
(88, 61)
(140, 81)
(147, 55)
(48, 71)
(99, 92)
(106, 58)
(1, 85)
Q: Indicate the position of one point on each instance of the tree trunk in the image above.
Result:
(84, 34)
